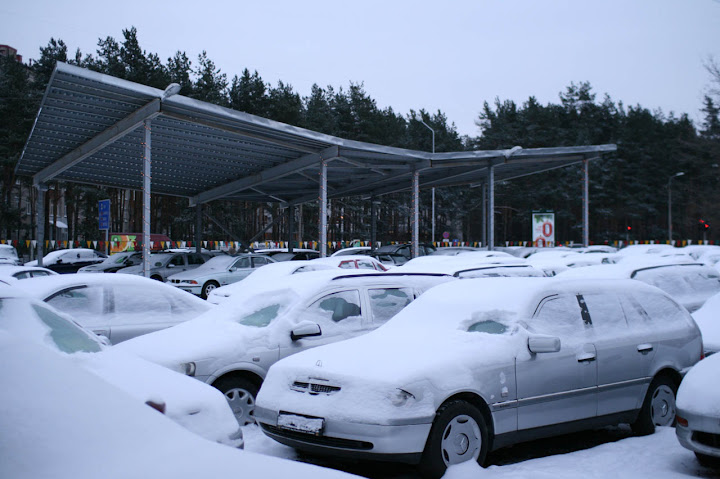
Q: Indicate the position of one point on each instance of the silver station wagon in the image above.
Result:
(475, 365)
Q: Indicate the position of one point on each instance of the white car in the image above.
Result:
(59, 420)
(69, 260)
(233, 346)
(9, 273)
(479, 364)
(267, 273)
(118, 307)
(8, 255)
(708, 320)
(217, 272)
(195, 406)
(352, 262)
(698, 411)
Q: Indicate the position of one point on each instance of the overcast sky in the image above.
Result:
(451, 55)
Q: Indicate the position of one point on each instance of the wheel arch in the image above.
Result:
(251, 376)
(670, 373)
(477, 401)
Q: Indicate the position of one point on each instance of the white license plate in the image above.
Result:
(293, 422)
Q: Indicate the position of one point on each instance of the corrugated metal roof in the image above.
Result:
(90, 130)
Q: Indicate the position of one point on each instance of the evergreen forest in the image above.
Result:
(628, 192)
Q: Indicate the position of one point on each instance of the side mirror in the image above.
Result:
(543, 344)
(232, 270)
(104, 339)
(170, 265)
(59, 260)
(305, 329)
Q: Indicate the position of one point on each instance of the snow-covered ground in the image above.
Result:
(658, 456)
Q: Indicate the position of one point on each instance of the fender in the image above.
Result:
(238, 366)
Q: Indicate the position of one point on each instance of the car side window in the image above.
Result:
(81, 301)
(387, 302)
(365, 264)
(559, 315)
(241, 263)
(660, 309)
(177, 260)
(258, 261)
(348, 264)
(22, 275)
(606, 312)
(335, 310)
(133, 304)
(195, 259)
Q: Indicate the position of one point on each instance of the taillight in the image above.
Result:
(681, 421)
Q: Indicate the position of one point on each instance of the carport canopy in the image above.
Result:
(96, 129)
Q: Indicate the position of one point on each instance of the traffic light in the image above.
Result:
(629, 228)
(703, 226)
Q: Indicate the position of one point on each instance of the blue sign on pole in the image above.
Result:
(104, 214)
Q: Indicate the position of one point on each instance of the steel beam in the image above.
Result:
(484, 215)
(198, 228)
(279, 171)
(491, 206)
(147, 183)
(322, 216)
(586, 203)
(416, 214)
(291, 226)
(374, 203)
(99, 141)
(40, 206)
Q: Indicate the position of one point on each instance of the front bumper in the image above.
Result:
(702, 434)
(194, 289)
(396, 442)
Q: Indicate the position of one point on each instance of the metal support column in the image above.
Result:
(198, 227)
(416, 214)
(373, 222)
(147, 160)
(433, 216)
(40, 206)
(484, 215)
(322, 220)
(291, 226)
(491, 206)
(586, 204)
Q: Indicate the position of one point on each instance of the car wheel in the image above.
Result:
(207, 287)
(708, 461)
(658, 408)
(240, 394)
(458, 434)
(156, 277)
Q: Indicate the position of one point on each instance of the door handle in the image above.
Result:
(586, 357)
(645, 348)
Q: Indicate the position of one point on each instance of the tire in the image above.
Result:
(658, 408)
(207, 287)
(240, 394)
(157, 277)
(458, 434)
(708, 461)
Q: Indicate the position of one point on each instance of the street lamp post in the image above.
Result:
(669, 188)
(419, 118)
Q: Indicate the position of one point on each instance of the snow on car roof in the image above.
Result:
(452, 264)
(699, 392)
(626, 268)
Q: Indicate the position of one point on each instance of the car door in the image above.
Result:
(240, 269)
(193, 261)
(620, 366)
(339, 315)
(176, 265)
(386, 302)
(87, 304)
(559, 386)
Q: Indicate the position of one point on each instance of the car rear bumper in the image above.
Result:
(702, 434)
(403, 443)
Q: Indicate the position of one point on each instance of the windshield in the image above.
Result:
(39, 323)
(218, 262)
(117, 258)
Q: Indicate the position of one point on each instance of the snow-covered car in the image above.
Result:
(640, 249)
(354, 250)
(352, 262)
(163, 265)
(265, 274)
(114, 263)
(691, 284)
(282, 254)
(118, 307)
(462, 270)
(69, 260)
(698, 411)
(60, 420)
(195, 406)
(218, 271)
(479, 364)
(708, 320)
(8, 255)
(698, 250)
(452, 250)
(233, 346)
(399, 254)
(9, 273)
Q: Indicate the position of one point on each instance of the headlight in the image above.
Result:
(190, 368)
(400, 397)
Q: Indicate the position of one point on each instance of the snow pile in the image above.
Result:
(59, 420)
